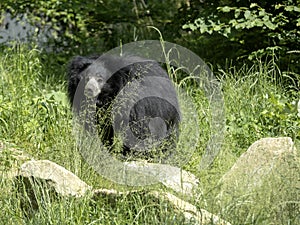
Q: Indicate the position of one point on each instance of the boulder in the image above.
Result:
(63, 181)
(263, 184)
(172, 177)
(253, 166)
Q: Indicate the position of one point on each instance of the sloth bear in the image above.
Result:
(134, 98)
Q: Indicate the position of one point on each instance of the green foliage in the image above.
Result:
(63, 20)
(29, 108)
(215, 30)
(280, 112)
(254, 30)
(258, 105)
(88, 26)
(35, 115)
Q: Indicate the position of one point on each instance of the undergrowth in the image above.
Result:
(36, 117)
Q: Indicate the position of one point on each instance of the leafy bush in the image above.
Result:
(30, 110)
(258, 105)
(252, 31)
(83, 27)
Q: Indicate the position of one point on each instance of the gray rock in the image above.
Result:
(66, 183)
(172, 177)
(63, 181)
(263, 185)
(262, 160)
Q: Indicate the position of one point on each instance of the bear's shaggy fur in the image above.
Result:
(155, 115)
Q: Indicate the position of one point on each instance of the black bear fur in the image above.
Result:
(114, 73)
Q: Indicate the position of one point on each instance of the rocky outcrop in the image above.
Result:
(40, 177)
(67, 184)
(268, 163)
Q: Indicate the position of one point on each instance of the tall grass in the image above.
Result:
(35, 115)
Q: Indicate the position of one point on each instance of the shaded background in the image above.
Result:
(223, 33)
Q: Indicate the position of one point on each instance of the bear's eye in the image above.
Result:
(99, 79)
(95, 78)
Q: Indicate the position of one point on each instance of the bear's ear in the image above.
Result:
(78, 64)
